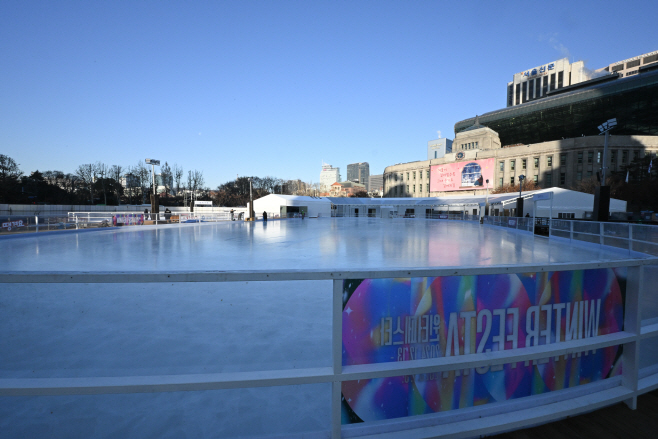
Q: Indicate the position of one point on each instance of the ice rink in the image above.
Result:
(98, 330)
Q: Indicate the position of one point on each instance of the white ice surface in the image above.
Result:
(65, 330)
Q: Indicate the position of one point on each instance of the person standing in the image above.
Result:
(264, 216)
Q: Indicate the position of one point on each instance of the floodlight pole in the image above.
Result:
(601, 208)
(519, 201)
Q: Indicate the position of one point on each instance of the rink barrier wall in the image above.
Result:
(466, 422)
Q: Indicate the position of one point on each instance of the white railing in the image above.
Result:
(486, 419)
(634, 237)
(524, 224)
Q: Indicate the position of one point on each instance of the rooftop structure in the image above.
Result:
(578, 111)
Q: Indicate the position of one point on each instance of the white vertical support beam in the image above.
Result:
(632, 324)
(336, 357)
(36, 221)
(630, 238)
(601, 233)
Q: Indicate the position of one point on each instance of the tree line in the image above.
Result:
(99, 183)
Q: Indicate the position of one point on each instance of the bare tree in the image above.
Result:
(177, 171)
(102, 171)
(141, 173)
(115, 174)
(86, 175)
(167, 178)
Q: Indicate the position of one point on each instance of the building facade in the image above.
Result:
(328, 176)
(537, 82)
(376, 185)
(346, 189)
(631, 66)
(560, 163)
(359, 173)
(438, 148)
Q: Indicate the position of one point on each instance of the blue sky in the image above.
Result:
(277, 87)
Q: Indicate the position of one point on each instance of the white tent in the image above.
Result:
(290, 205)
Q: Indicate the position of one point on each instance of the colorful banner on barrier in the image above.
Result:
(128, 219)
(388, 320)
(461, 176)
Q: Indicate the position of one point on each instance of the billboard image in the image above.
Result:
(391, 320)
(466, 175)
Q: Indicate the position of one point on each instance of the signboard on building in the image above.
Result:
(466, 175)
(389, 320)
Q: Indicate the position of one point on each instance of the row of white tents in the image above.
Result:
(554, 202)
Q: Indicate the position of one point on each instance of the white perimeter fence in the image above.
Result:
(466, 422)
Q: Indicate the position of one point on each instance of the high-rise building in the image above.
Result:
(537, 82)
(631, 66)
(328, 176)
(376, 184)
(438, 148)
(359, 173)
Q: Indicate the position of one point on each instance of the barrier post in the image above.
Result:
(571, 230)
(630, 238)
(632, 324)
(336, 357)
(601, 233)
(36, 220)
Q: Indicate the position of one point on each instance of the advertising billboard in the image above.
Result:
(461, 176)
(391, 320)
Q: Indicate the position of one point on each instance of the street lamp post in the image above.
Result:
(154, 198)
(251, 201)
(486, 204)
(519, 201)
(602, 192)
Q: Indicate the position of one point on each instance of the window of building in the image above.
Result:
(536, 160)
(566, 215)
(531, 89)
(511, 181)
(579, 175)
(407, 188)
(476, 144)
(636, 155)
(598, 156)
(435, 152)
(537, 87)
(414, 189)
(549, 161)
(510, 92)
(624, 156)
(648, 59)
(617, 68)
(428, 174)
(518, 94)
(563, 160)
(631, 64)
(563, 178)
(613, 156)
(414, 175)
(552, 81)
(428, 188)
(500, 181)
(549, 180)
(590, 156)
(524, 163)
(407, 176)
(589, 174)
(512, 165)
(420, 174)
(525, 92)
(502, 166)
(535, 178)
(544, 88)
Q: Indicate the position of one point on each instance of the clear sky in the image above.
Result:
(276, 87)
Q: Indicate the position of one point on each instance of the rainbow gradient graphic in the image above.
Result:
(388, 320)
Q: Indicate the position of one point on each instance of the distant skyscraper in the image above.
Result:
(438, 148)
(376, 183)
(359, 172)
(328, 176)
